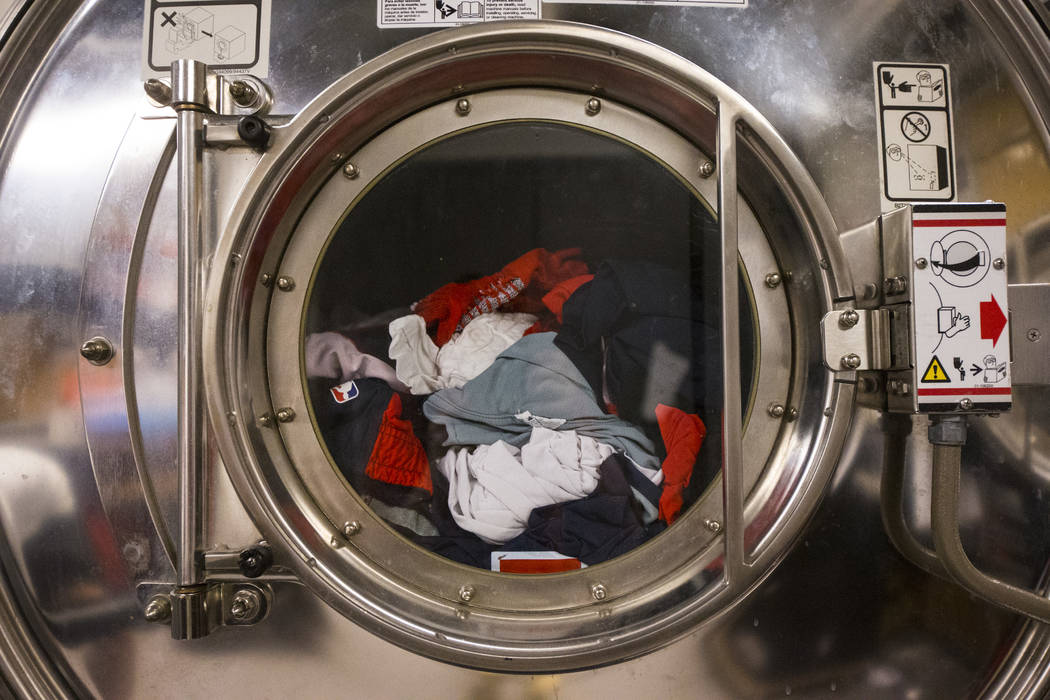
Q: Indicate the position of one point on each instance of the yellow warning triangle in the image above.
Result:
(935, 372)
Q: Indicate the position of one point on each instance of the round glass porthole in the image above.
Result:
(512, 346)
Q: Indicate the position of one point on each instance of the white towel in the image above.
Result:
(425, 368)
(494, 489)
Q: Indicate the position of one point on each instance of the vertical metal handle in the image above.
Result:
(189, 99)
(732, 420)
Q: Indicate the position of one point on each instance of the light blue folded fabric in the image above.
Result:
(536, 377)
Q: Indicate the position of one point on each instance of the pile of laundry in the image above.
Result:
(544, 409)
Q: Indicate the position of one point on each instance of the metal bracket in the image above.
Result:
(1030, 324)
(229, 604)
(857, 339)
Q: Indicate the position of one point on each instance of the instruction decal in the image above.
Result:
(916, 135)
(452, 13)
(231, 37)
(962, 335)
(703, 3)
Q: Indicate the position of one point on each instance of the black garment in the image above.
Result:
(594, 529)
(453, 542)
(637, 333)
(350, 430)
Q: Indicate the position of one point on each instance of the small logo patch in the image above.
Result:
(347, 391)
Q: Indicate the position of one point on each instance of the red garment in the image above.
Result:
(398, 456)
(555, 299)
(683, 433)
(456, 304)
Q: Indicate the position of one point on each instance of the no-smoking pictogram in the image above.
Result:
(915, 126)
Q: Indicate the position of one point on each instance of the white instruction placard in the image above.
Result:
(962, 329)
(231, 37)
(707, 3)
(452, 13)
(916, 142)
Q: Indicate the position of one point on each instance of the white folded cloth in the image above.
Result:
(494, 488)
(425, 368)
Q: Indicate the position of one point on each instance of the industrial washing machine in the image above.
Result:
(849, 200)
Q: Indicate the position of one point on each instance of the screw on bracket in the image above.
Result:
(247, 606)
(466, 593)
(849, 318)
(244, 93)
(158, 609)
(707, 169)
(158, 91)
(851, 361)
(463, 106)
(773, 280)
(598, 591)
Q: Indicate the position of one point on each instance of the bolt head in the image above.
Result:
(998, 263)
(350, 171)
(849, 318)
(97, 350)
(158, 609)
(466, 593)
(1034, 335)
(776, 410)
(707, 169)
(851, 361)
(598, 591)
(246, 606)
(286, 414)
(351, 528)
(773, 280)
(285, 283)
(792, 413)
(463, 106)
(158, 91)
(713, 525)
(921, 263)
(895, 285)
(265, 420)
(594, 105)
(244, 93)
(966, 404)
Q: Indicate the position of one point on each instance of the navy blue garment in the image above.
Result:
(638, 335)
(350, 430)
(605, 524)
(452, 542)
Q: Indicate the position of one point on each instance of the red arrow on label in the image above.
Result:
(993, 321)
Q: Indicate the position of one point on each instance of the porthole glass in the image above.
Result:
(512, 348)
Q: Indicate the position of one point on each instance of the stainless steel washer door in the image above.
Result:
(440, 98)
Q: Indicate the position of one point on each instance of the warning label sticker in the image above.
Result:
(916, 143)
(962, 334)
(231, 37)
(451, 13)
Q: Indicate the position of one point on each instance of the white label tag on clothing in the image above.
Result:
(540, 421)
(231, 37)
(962, 333)
(916, 143)
(347, 391)
(452, 13)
